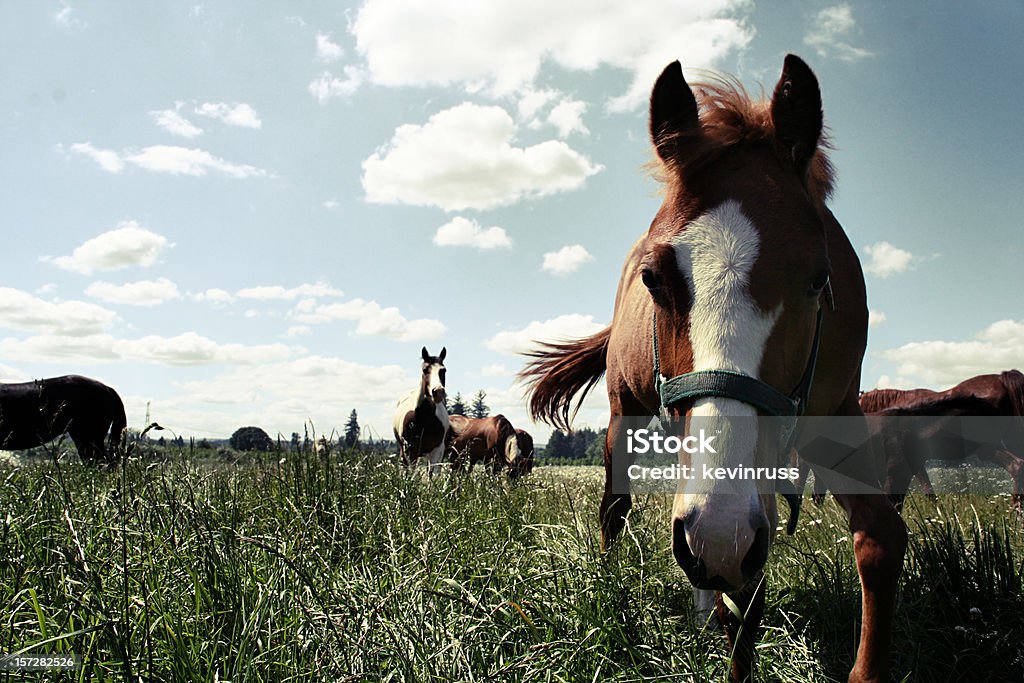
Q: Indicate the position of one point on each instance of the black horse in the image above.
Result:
(33, 413)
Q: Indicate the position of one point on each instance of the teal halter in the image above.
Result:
(736, 385)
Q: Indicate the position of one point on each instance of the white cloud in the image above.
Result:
(886, 259)
(326, 49)
(495, 370)
(214, 295)
(875, 318)
(241, 115)
(942, 364)
(67, 17)
(129, 244)
(567, 117)
(327, 86)
(464, 232)
(283, 396)
(373, 319)
(141, 293)
(174, 123)
(828, 36)
(464, 158)
(566, 260)
(109, 160)
(185, 349)
(500, 45)
(23, 311)
(279, 293)
(186, 161)
(569, 326)
(166, 159)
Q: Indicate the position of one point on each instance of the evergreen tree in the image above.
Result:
(479, 408)
(458, 406)
(352, 429)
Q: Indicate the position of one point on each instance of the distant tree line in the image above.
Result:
(477, 408)
(580, 447)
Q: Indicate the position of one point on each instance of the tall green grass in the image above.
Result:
(351, 569)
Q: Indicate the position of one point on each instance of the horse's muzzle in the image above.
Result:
(696, 568)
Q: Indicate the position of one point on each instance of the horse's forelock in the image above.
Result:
(729, 118)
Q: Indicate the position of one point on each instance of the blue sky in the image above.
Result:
(257, 214)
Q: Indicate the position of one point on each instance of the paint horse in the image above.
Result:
(909, 443)
(524, 463)
(33, 413)
(743, 290)
(490, 440)
(421, 419)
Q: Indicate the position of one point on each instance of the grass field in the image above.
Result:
(295, 568)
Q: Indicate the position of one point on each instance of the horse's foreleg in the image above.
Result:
(742, 620)
(1014, 466)
(879, 543)
(434, 459)
(615, 505)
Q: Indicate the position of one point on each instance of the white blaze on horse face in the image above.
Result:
(512, 451)
(435, 387)
(716, 254)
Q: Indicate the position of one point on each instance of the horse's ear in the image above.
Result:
(796, 110)
(673, 111)
(444, 352)
(426, 356)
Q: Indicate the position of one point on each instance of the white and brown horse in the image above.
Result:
(421, 419)
(721, 309)
(490, 440)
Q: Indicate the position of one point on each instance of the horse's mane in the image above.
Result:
(880, 399)
(1013, 380)
(730, 118)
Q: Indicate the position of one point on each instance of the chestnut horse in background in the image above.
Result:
(33, 413)
(490, 440)
(722, 307)
(421, 419)
(907, 446)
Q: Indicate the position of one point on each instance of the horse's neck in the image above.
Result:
(425, 402)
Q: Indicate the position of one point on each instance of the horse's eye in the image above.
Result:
(820, 282)
(441, 373)
(650, 279)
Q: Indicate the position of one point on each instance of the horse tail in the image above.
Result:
(561, 370)
(118, 424)
(1013, 380)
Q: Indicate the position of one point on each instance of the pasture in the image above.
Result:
(298, 568)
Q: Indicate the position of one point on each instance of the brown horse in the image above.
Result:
(721, 308)
(33, 413)
(908, 443)
(524, 464)
(421, 419)
(490, 440)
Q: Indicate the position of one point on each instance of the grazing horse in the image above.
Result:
(722, 307)
(490, 440)
(421, 419)
(908, 443)
(32, 413)
(524, 463)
